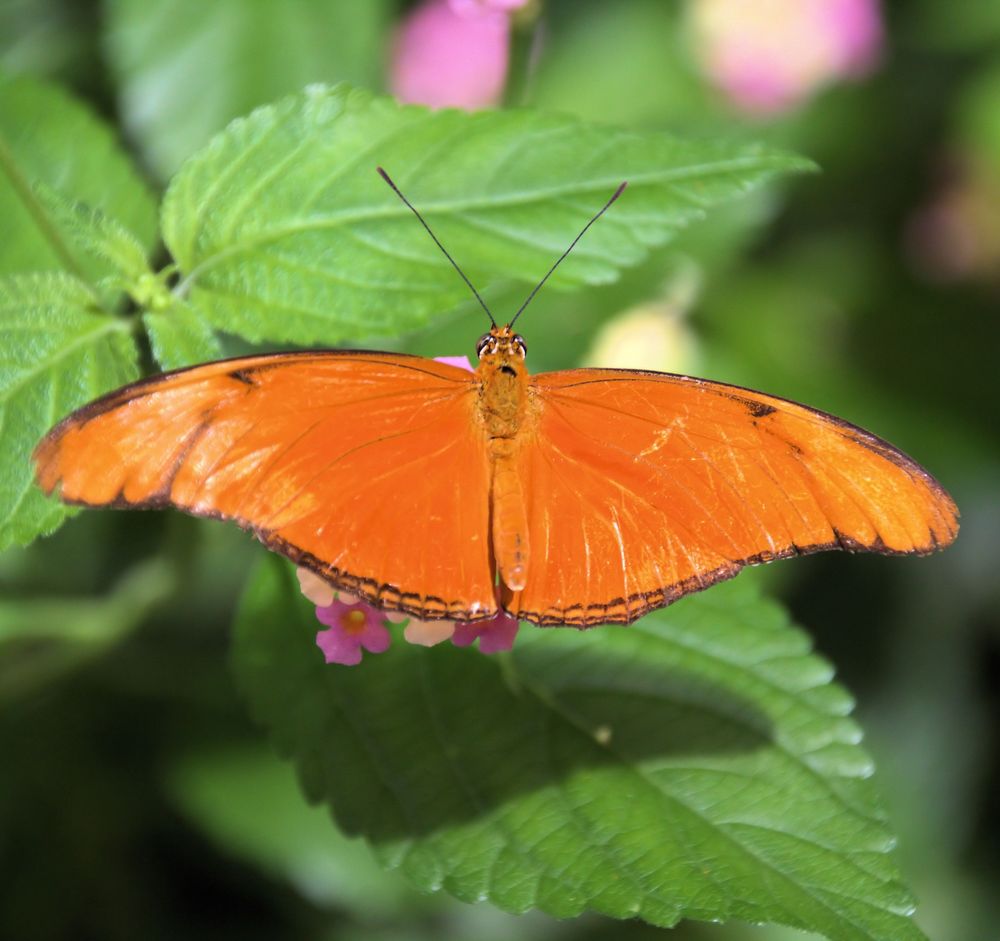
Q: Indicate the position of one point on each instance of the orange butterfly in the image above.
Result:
(592, 495)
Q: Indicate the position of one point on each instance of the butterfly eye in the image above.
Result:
(522, 347)
(482, 343)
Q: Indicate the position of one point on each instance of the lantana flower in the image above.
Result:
(769, 55)
(353, 625)
(453, 53)
(349, 628)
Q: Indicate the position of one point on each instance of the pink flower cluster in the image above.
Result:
(453, 53)
(769, 55)
(353, 626)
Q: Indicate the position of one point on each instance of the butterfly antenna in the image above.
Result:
(607, 205)
(385, 176)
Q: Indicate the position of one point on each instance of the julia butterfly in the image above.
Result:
(579, 497)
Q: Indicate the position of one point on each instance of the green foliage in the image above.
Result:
(94, 233)
(48, 137)
(958, 25)
(699, 764)
(59, 352)
(173, 111)
(179, 335)
(282, 229)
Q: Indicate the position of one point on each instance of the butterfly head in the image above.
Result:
(501, 344)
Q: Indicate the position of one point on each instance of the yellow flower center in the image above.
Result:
(353, 621)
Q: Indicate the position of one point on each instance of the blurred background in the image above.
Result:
(136, 798)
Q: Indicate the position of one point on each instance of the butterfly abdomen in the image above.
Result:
(510, 516)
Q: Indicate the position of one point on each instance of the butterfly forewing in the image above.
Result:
(643, 487)
(370, 469)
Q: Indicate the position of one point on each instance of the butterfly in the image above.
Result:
(579, 497)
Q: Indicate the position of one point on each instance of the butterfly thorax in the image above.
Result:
(503, 382)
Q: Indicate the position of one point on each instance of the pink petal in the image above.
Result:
(338, 646)
(375, 638)
(465, 634)
(445, 59)
(329, 614)
(857, 26)
(494, 635)
(465, 7)
(462, 362)
(500, 634)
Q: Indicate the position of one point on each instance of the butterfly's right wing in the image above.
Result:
(368, 468)
(642, 487)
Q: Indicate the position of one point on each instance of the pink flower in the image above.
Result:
(453, 53)
(494, 635)
(769, 55)
(349, 628)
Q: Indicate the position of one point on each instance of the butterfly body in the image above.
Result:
(504, 402)
(586, 496)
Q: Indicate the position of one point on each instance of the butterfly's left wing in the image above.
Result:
(643, 487)
(368, 468)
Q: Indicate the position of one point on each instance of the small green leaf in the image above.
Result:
(283, 230)
(699, 764)
(180, 336)
(235, 55)
(48, 137)
(95, 233)
(58, 353)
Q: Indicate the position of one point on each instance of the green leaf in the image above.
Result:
(180, 336)
(48, 137)
(58, 353)
(699, 764)
(95, 233)
(284, 231)
(186, 68)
